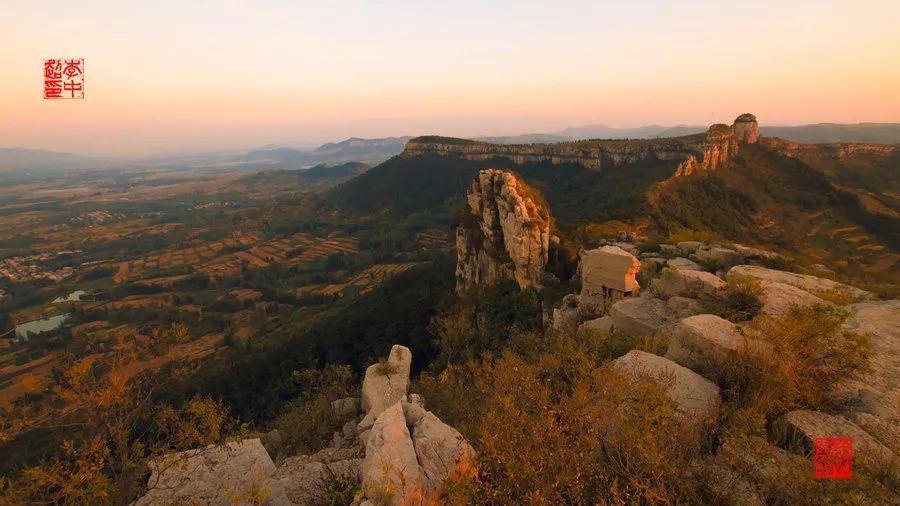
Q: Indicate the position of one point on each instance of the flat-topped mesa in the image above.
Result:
(506, 233)
(704, 152)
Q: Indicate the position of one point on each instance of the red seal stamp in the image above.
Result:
(833, 458)
(64, 78)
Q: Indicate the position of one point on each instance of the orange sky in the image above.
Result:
(164, 77)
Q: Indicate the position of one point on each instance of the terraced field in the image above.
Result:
(365, 281)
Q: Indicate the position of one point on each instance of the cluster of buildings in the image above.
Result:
(28, 268)
(97, 218)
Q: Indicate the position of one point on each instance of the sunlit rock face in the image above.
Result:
(746, 129)
(507, 235)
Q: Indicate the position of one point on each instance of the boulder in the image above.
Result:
(750, 252)
(390, 468)
(304, 479)
(213, 475)
(668, 249)
(510, 225)
(683, 264)
(688, 247)
(675, 282)
(703, 342)
(811, 284)
(809, 425)
(876, 393)
(385, 384)
(694, 394)
(608, 267)
(603, 324)
(682, 307)
(718, 256)
(640, 316)
(441, 451)
(778, 298)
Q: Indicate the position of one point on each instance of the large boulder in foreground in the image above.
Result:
(875, 397)
(390, 469)
(410, 453)
(811, 284)
(705, 342)
(303, 480)
(214, 475)
(509, 229)
(386, 383)
(810, 425)
(695, 395)
(640, 316)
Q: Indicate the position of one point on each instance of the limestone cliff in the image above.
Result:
(701, 152)
(506, 234)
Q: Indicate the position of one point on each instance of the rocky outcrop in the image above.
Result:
(810, 425)
(875, 397)
(779, 298)
(834, 150)
(640, 316)
(683, 264)
(705, 342)
(746, 129)
(390, 470)
(508, 234)
(386, 383)
(694, 394)
(217, 475)
(811, 284)
(675, 282)
(701, 152)
(610, 268)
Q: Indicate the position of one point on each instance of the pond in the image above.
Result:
(35, 327)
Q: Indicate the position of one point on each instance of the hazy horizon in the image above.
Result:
(168, 78)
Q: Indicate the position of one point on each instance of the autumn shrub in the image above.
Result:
(307, 422)
(739, 301)
(550, 427)
(810, 355)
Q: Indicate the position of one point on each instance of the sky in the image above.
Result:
(168, 77)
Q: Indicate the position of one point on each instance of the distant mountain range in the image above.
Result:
(33, 162)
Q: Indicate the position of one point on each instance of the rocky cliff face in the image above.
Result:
(836, 150)
(507, 233)
(695, 152)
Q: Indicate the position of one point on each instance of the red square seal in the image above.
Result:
(833, 458)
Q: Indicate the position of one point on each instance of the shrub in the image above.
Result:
(739, 301)
(309, 421)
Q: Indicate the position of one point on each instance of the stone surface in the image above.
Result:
(441, 451)
(683, 307)
(815, 424)
(603, 324)
(746, 128)
(703, 342)
(509, 235)
(683, 264)
(343, 408)
(693, 393)
(688, 247)
(811, 284)
(382, 387)
(778, 298)
(640, 316)
(302, 480)
(213, 475)
(675, 282)
(877, 393)
(609, 267)
(718, 256)
(390, 462)
(751, 252)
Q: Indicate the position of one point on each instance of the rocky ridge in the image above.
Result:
(701, 152)
(397, 453)
(507, 235)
